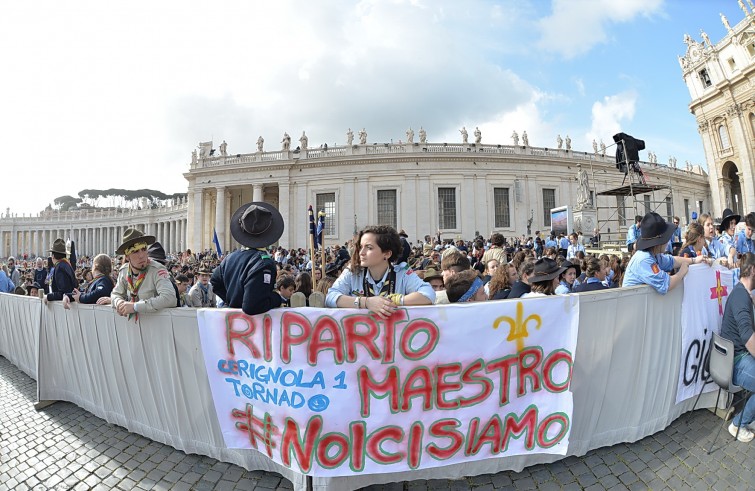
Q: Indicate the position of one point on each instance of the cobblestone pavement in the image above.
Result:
(64, 447)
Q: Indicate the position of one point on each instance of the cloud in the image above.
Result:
(610, 116)
(576, 26)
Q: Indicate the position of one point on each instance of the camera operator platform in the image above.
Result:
(634, 184)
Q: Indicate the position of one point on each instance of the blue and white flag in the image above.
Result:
(216, 242)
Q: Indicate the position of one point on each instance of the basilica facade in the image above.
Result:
(721, 82)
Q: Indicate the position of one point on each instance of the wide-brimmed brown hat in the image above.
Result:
(257, 224)
(654, 230)
(205, 270)
(432, 274)
(131, 236)
(545, 270)
(59, 246)
(727, 216)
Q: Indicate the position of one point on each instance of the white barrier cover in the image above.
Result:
(336, 392)
(705, 293)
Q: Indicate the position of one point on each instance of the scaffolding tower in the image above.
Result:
(638, 186)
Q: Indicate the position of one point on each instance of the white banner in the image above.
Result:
(336, 392)
(705, 292)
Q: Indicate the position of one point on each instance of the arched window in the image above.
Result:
(723, 134)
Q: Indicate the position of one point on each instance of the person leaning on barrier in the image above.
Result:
(100, 287)
(649, 265)
(373, 281)
(143, 284)
(63, 280)
(245, 278)
(738, 327)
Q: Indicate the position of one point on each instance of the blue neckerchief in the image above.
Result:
(203, 289)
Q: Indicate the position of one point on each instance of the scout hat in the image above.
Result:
(256, 224)
(432, 274)
(728, 215)
(132, 237)
(59, 246)
(545, 270)
(654, 230)
(575, 265)
(157, 252)
(205, 270)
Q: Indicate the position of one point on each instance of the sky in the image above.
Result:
(117, 95)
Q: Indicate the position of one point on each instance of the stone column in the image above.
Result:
(257, 193)
(744, 188)
(13, 242)
(220, 215)
(284, 197)
(207, 221)
(194, 219)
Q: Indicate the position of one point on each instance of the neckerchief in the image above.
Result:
(203, 289)
(133, 285)
(388, 284)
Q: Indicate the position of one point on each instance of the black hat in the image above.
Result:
(575, 265)
(156, 252)
(654, 230)
(36, 285)
(59, 246)
(545, 270)
(728, 215)
(132, 236)
(257, 224)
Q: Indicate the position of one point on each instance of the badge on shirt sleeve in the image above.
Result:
(267, 278)
(163, 273)
(655, 268)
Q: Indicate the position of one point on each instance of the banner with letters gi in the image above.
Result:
(705, 292)
(334, 392)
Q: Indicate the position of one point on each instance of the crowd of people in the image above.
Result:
(381, 271)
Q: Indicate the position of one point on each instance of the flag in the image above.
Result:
(216, 242)
(312, 225)
(320, 227)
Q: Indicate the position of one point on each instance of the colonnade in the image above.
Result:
(32, 236)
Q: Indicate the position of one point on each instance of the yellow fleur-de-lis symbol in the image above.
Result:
(518, 328)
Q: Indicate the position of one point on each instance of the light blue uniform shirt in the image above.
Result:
(563, 288)
(714, 249)
(633, 234)
(353, 285)
(563, 243)
(728, 242)
(744, 245)
(646, 269)
(6, 285)
(572, 250)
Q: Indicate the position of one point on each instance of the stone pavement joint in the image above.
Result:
(64, 447)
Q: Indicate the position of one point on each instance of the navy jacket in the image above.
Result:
(63, 281)
(245, 279)
(101, 287)
(40, 276)
(589, 287)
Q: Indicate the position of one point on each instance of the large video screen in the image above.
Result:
(560, 221)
